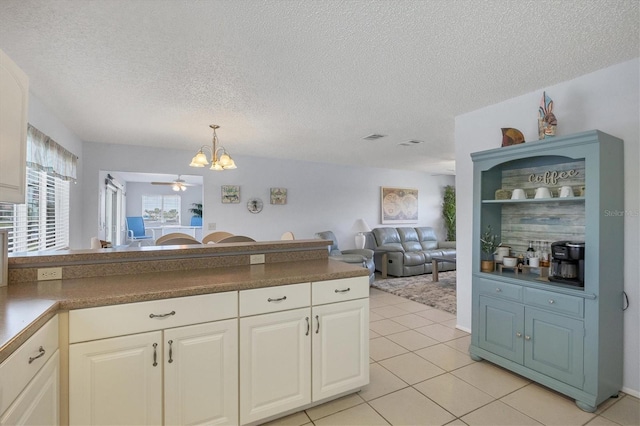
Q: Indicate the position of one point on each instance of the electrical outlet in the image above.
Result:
(256, 259)
(49, 274)
(212, 227)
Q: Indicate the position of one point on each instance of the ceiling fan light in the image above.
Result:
(183, 188)
(175, 187)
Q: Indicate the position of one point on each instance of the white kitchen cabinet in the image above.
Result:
(201, 374)
(189, 371)
(275, 363)
(304, 354)
(340, 348)
(39, 402)
(14, 87)
(29, 385)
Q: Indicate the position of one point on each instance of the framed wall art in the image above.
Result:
(230, 194)
(278, 196)
(399, 205)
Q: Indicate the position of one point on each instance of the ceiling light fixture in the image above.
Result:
(220, 158)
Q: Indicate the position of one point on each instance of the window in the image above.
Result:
(159, 210)
(42, 223)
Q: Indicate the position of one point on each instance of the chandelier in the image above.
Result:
(220, 158)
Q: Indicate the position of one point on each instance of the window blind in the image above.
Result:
(42, 222)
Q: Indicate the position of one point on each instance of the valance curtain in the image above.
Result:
(43, 153)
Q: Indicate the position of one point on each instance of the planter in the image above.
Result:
(487, 266)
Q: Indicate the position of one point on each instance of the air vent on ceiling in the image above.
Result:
(373, 137)
(411, 142)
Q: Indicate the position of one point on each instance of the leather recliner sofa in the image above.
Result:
(407, 251)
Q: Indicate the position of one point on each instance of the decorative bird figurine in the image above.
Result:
(547, 121)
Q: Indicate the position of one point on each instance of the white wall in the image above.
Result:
(607, 100)
(42, 119)
(320, 196)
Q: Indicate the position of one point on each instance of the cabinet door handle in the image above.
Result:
(41, 353)
(162, 315)
(551, 301)
(279, 299)
(343, 291)
(155, 354)
(518, 334)
(498, 290)
(170, 342)
(527, 337)
(308, 326)
(318, 326)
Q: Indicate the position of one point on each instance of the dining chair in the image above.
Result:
(176, 238)
(287, 236)
(237, 239)
(136, 231)
(215, 237)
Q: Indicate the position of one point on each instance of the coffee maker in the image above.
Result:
(567, 264)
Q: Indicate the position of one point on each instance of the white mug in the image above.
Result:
(566, 192)
(518, 194)
(543, 192)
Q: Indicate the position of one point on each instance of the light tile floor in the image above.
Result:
(421, 374)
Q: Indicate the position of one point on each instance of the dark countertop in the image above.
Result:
(25, 307)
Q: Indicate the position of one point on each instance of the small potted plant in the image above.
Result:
(488, 244)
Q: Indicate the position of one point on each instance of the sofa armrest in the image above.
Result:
(362, 252)
(447, 244)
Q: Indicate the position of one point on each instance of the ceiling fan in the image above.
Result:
(177, 185)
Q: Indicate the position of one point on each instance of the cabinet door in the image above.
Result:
(201, 374)
(275, 363)
(501, 328)
(554, 346)
(39, 403)
(116, 381)
(340, 347)
(14, 87)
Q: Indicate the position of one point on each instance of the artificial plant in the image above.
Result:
(449, 211)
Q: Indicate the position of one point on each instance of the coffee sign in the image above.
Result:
(551, 177)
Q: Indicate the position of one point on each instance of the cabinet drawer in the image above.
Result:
(18, 370)
(498, 289)
(557, 302)
(129, 318)
(273, 299)
(339, 290)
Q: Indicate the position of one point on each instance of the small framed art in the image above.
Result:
(278, 196)
(230, 194)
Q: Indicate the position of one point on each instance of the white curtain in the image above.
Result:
(43, 153)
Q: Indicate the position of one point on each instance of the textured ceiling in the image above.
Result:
(304, 80)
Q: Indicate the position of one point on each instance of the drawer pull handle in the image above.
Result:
(155, 354)
(308, 326)
(551, 301)
(279, 299)
(318, 327)
(41, 353)
(343, 291)
(498, 290)
(162, 315)
(170, 351)
(527, 337)
(518, 334)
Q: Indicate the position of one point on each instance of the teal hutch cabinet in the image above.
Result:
(565, 336)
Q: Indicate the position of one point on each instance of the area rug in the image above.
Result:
(420, 288)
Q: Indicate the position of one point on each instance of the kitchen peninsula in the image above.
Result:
(146, 297)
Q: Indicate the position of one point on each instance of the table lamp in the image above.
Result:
(360, 226)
